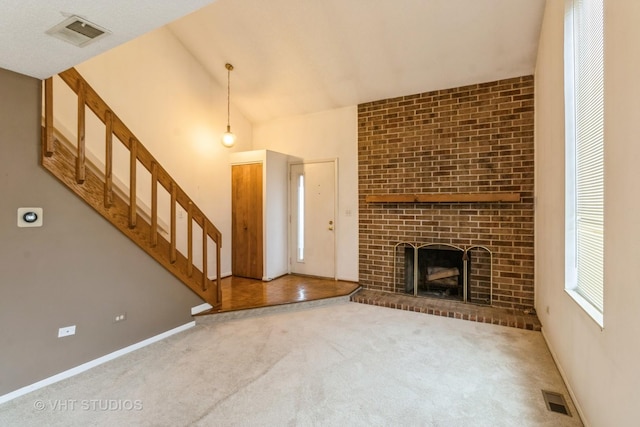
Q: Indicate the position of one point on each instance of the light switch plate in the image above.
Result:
(21, 217)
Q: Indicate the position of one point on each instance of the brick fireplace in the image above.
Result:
(471, 139)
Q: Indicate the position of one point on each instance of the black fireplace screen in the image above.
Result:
(444, 271)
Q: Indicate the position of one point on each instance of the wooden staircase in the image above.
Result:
(97, 189)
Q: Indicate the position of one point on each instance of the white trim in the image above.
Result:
(93, 363)
(200, 308)
(593, 313)
(576, 404)
(571, 274)
(573, 224)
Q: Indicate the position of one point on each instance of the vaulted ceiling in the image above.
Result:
(299, 56)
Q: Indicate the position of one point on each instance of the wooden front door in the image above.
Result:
(246, 220)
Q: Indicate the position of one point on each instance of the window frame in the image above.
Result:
(571, 172)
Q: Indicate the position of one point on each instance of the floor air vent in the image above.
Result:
(555, 402)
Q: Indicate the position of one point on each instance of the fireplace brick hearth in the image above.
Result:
(471, 139)
(521, 319)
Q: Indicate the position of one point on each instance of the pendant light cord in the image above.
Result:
(229, 68)
(228, 138)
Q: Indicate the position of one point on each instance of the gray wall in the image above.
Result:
(75, 270)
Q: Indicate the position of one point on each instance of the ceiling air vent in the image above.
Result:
(78, 31)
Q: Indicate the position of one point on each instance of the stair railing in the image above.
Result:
(123, 213)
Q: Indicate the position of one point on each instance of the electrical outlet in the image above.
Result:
(66, 331)
(120, 317)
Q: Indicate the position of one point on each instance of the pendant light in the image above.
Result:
(228, 138)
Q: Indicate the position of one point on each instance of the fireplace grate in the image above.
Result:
(555, 402)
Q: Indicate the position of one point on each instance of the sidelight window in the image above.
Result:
(300, 222)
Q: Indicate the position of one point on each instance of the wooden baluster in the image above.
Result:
(218, 277)
(108, 160)
(133, 160)
(190, 240)
(205, 266)
(172, 253)
(88, 100)
(48, 117)
(154, 204)
(80, 160)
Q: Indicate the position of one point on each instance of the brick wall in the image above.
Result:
(476, 138)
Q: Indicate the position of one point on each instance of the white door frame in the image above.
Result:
(291, 249)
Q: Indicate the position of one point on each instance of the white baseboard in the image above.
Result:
(200, 308)
(206, 306)
(566, 383)
(93, 363)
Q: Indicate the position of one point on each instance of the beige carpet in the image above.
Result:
(336, 365)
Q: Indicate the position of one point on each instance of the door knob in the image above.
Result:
(330, 225)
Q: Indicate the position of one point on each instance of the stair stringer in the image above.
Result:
(62, 165)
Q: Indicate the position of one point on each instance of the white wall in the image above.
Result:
(76, 269)
(276, 215)
(325, 135)
(179, 113)
(600, 366)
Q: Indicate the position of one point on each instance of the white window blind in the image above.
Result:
(586, 169)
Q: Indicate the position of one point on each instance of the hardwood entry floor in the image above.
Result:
(239, 293)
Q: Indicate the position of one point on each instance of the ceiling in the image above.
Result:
(26, 49)
(300, 56)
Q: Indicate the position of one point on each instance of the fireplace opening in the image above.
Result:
(440, 271)
(444, 271)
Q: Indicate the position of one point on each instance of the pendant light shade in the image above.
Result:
(228, 138)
